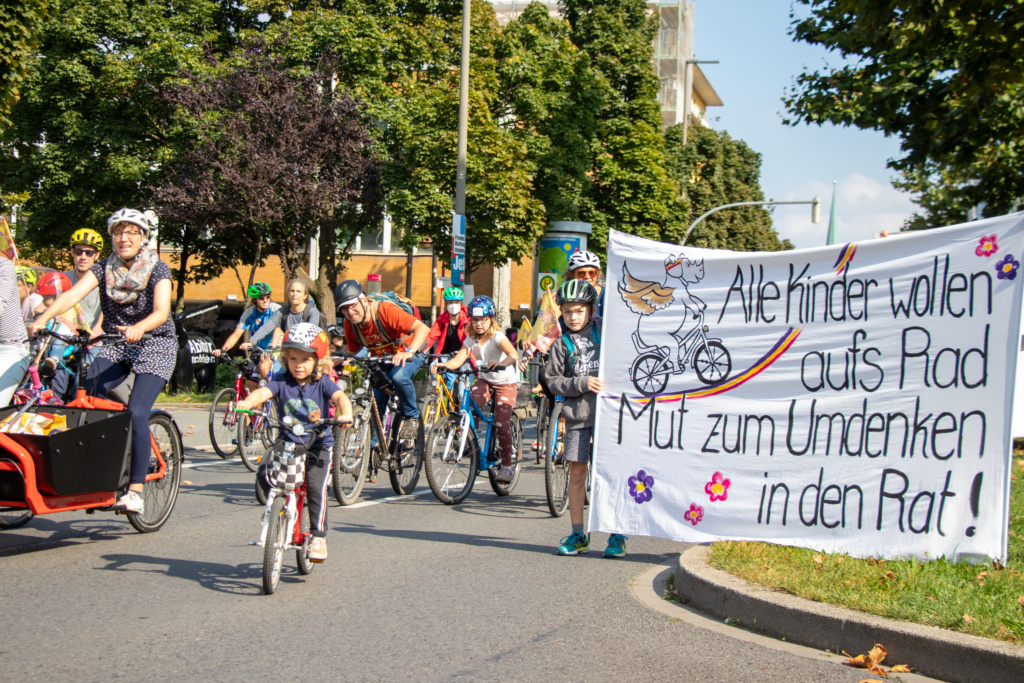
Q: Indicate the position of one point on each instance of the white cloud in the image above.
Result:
(864, 207)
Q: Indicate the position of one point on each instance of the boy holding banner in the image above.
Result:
(571, 372)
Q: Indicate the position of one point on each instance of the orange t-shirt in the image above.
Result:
(396, 322)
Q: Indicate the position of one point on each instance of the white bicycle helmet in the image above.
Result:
(129, 216)
(582, 259)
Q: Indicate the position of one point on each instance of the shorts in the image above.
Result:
(576, 444)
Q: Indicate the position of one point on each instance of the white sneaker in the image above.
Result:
(318, 549)
(129, 502)
(505, 475)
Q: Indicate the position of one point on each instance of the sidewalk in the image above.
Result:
(935, 652)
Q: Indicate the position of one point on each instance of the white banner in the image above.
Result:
(852, 398)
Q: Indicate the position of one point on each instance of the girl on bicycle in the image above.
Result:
(305, 393)
(135, 299)
(496, 358)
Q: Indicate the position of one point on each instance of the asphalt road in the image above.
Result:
(412, 590)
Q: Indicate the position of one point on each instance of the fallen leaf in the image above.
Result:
(819, 559)
(902, 669)
(968, 619)
(871, 680)
(982, 575)
(840, 559)
(186, 399)
(191, 426)
(869, 661)
(1020, 601)
(187, 483)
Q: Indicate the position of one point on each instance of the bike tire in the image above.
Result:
(404, 468)
(351, 457)
(14, 518)
(274, 546)
(223, 428)
(517, 459)
(268, 434)
(159, 495)
(556, 468)
(450, 478)
(542, 422)
(649, 374)
(302, 560)
(261, 495)
(712, 362)
(250, 448)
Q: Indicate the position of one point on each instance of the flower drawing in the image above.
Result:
(718, 487)
(987, 246)
(640, 487)
(694, 514)
(1006, 269)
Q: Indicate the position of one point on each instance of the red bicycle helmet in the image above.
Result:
(307, 337)
(53, 284)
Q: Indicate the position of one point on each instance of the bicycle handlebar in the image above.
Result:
(86, 340)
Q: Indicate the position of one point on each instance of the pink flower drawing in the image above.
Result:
(987, 246)
(718, 487)
(694, 514)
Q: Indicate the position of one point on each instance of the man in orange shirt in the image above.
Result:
(384, 328)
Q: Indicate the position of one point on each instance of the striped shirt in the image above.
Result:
(12, 327)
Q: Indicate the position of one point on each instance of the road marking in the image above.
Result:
(205, 463)
(367, 503)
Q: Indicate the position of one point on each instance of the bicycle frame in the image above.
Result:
(294, 503)
(469, 414)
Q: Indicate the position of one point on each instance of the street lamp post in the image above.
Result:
(687, 79)
(815, 212)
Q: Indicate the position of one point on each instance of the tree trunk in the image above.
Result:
(179, 304)
(503, 294)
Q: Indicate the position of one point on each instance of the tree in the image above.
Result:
(275, 156)
(21, 22)
(945, 77)
(715, 169)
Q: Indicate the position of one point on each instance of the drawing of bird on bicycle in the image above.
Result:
(661, 351)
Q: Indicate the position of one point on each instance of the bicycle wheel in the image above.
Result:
(351, 455)
(542, 423)
(267, 433)
(223, 431)
(12, 518)
(261, 495)
(302, 554)
(404, 466)
(449, 475)
(274, 546)
(649, 374)
(429, 411)
(250, 447)
(712, 362)
(517, 460)
(556, 468)
(159, 495)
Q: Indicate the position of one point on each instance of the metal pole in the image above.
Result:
(460, 172)
(814, 202)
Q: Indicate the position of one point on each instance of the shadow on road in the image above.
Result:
(232, 493)
(62, 534)
(215, 576)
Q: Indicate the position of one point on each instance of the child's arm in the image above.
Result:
(456, 362)
(257, 397)
(555, 373)
(343, 407)
(511, 355)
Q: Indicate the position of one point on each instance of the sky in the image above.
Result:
(758, 60)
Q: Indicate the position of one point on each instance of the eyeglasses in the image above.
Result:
(349, 307)
(588, 274)
(265, 297)
(84, 252)
(126, 232)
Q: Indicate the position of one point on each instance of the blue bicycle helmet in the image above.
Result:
(481, 305)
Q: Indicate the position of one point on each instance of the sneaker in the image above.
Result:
(574, 544)
(505, 475)
(129, 502)
(318, 549)
(616, 546)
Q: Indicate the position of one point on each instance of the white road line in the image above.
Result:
(367, 503)
(206, 463)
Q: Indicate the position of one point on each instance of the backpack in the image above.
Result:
(397, 299)
(375, 301)
(571, 350)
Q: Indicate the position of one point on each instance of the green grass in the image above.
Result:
(980, 599)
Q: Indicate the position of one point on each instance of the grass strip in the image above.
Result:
(980, 599)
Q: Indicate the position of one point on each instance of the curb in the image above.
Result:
(935, 652)
(183, 406)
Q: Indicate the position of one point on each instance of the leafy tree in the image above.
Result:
(945, 77)
(715, 169)
(275, 156)
(19, 39)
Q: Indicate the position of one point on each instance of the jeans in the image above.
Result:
(104, 376)
(13, 364)
(401, 377)
(463, 381)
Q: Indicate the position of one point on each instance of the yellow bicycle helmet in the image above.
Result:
(88, 237)
(27, 275)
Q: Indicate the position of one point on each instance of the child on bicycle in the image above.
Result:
(496, 359)
(305, 393)
(571, 372)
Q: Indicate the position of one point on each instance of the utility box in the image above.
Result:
(373, 283)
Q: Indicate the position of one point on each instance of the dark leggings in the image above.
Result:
(104, 376)
(318, 476)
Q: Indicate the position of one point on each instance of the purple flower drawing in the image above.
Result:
(1007, 267)
(640, 487)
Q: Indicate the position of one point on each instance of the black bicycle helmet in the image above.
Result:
(576, 292)
(348, 292)
(334, 331)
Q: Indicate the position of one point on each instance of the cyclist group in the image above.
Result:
(130, 292)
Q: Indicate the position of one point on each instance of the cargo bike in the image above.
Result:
(82, 461)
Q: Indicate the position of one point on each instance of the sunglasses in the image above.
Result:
(84, 252)
(589, 274)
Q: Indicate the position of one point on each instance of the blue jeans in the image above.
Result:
(401, 377)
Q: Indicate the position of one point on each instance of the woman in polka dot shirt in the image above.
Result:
(135, 297)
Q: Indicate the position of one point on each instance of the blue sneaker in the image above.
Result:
(616, 546)
(574, 544)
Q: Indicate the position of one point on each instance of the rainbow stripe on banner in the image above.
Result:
(776, 352)
(845, 256)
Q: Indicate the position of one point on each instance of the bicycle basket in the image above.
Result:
(287, 470)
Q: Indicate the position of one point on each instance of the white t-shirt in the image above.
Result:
(489, 351)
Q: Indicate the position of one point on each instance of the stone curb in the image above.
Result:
(935, 652)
